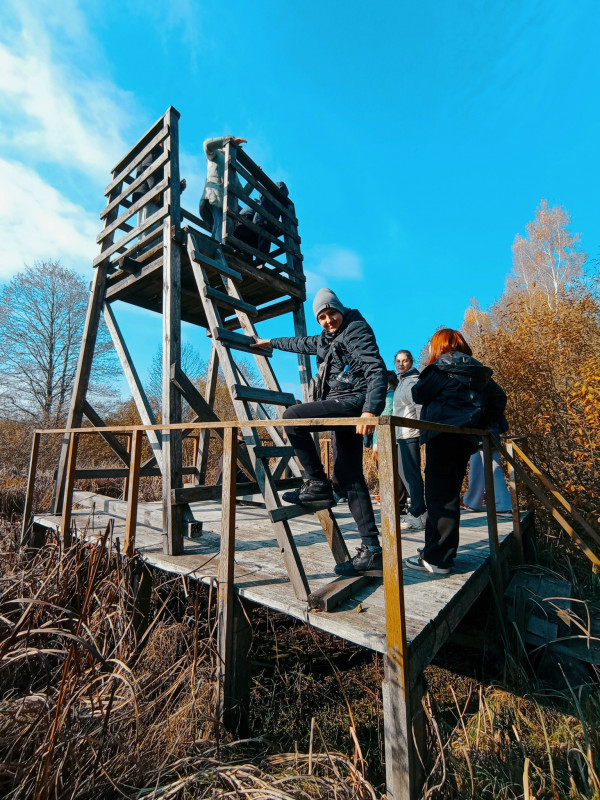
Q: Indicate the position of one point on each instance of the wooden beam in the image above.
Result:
(330, 596)
(227, 301)
(135, 386)
(119, 449)
(212, 374)
(82, 378)
(158, 216)
(155, 136)
(131, 187)
(132, 494)
(403, 774)
(28, 507)
(258, 395)
(171, 351)
(225, 589)
(516, 510)
(193, 494)
(204, 411)
(69, 485)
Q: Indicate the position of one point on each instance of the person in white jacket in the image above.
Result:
(409, 449)
(211, 202)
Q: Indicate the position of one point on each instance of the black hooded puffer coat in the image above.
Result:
(459, 390)
(355, 358)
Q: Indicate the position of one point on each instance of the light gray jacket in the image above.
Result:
(404, 405)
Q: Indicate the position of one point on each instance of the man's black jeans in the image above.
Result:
(348, 466)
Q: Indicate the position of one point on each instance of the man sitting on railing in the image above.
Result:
(354, 384)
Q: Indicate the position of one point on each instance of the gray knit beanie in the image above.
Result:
(325, 298)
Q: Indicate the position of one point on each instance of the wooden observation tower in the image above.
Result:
(157, 255)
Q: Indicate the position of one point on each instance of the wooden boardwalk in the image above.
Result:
(434, 604)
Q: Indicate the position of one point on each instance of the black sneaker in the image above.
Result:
(366, 559)
(340, 498)
(311, 493)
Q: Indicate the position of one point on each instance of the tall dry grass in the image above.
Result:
(90, 709)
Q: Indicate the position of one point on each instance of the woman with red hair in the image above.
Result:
(453, 389)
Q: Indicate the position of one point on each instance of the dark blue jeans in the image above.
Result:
(348, 466)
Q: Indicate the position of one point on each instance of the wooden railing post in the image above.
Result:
(233, 629)
(69, 485)
(133, 486)
(519, 552)
(401, 696)
(33, 459)
(492, 521)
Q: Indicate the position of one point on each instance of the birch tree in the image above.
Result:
(41, 324)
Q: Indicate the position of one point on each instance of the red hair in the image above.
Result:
(447, 340)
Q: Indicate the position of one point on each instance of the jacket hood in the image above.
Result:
(408, 373)
(465, 369)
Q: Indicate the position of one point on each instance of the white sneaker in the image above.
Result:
(410, 523)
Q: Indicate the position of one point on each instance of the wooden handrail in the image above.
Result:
(546, 502)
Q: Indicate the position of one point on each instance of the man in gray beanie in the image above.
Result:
(354, 385)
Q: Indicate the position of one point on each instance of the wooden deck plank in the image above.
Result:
(432, 603)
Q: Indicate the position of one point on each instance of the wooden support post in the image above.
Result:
(209, 395)
(492, 519)
(140, 586)
(325, 447)
(403, 727)
(171, 351)
(33, 459)
(304, 365)
(233, 637)
(126, 480)
(518, 552)
(82, 379)
(67, 504)
(133, 485)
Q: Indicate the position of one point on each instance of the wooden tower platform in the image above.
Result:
(156, 255)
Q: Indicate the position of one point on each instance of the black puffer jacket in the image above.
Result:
(355, 358)
(459, 390)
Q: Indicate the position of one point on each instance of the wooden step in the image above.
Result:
(240, 342)
(296, 510)
(274, 452)
(334, 593)
(217, 264)
(192, 494)
(227, 301)
(257, 395)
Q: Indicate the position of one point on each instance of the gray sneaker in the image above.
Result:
(366, 558)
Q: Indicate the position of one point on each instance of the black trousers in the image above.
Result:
(447, 456)
(348, 466)
(409, 451)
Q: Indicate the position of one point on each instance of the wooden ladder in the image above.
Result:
(250, 404)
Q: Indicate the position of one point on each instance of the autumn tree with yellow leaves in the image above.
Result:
(542, 339)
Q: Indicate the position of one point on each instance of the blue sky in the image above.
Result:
(417, 138)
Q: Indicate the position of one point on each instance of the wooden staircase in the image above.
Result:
(150, 257)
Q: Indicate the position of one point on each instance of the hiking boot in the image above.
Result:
(418, 562)
(311, 493)
(410, 523)
(366, 558)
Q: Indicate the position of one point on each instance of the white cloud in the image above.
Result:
(51, 118)
(325, 264)
(38, 222)
(61, 131)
